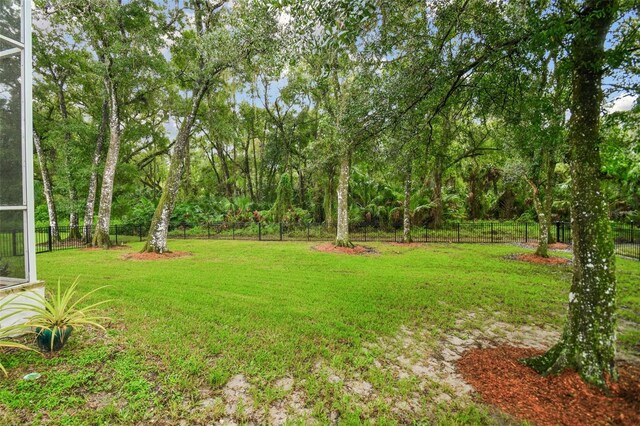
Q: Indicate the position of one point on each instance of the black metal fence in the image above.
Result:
(626, 237)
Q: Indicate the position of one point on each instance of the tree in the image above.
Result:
(47, 188)
(284, 198)
(536, 138)
(217, 49)
(126, 39)
(588, 340)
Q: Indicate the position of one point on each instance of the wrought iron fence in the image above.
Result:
(626, 237)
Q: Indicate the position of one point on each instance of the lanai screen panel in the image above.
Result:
(16, 186)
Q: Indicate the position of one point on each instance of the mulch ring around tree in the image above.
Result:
(501, 380)
(533, 258)
(332, 248)
(554, 246)
(157, 256)
(110, 248)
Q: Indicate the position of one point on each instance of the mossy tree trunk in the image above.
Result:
(543, 222)
(406, 210)
(588, 340)
(159, 229)
(342, 234)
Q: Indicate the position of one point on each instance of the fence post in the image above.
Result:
(259, 231)
(233, 230)
(458, 232)
(116, 234)
(526, 232)
(280, 231)
(558, 232)
(50, 245)
(395, 235)
(632, 233)
(491, 231)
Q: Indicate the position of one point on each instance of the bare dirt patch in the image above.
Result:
(539, 260)
(332, 248)
(406, 244)
(502, 380)
(156, 256)
(110, 248)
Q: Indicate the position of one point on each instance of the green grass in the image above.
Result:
(183, 327)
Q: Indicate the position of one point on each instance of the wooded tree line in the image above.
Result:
(388, 112)
(276, 105)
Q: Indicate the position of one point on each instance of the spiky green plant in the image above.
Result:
(59, 311)
(10, 331)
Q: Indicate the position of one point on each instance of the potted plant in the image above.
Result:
(10, 331)
(57, 315)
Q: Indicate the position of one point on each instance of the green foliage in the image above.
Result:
(284, 198)
(141, 213)
(10, 331)
(59, 311)
(297, 99)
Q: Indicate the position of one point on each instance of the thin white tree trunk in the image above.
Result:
(74, 232)
(101, 235)
(48, 189)
(93, 179)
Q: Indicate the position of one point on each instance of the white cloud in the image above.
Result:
(621, 103)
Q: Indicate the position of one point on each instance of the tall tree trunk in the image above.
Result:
(48, 189)
(220, 149)
(302, 188)
(247, 171)
(101, 234)
(74, 231)
(543, 221)
(588, 340)
(547, 203)
(437, 214)
(93, 179)
(157, 239)
(473, 199)
(328, 199)
(342, 234)
(406, 211)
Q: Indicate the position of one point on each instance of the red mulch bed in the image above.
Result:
(157, 256)
(554, 246)
(332, 248)
(110, 248)
(565, 399)
(551, 260)
(406, 244)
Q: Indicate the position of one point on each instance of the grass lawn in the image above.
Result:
(241, 329)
